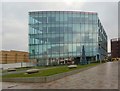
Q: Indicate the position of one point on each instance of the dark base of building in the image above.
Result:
(64, 61)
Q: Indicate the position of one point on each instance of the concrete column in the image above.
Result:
(58, 61)
(64, 61)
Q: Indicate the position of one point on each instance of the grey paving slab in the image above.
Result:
(103, 76)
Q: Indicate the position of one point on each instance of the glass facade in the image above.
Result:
(61, 35)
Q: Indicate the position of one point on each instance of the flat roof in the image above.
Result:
(12, 51)
(92, 12)
(115, 39)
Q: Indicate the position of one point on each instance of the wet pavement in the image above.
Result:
(104, 76)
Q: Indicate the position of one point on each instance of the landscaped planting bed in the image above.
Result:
(49, 72)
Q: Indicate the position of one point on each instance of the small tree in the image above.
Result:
(83, 57)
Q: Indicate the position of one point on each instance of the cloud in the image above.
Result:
(15, 19)
(15, 28)
(0, 25)
(108, 14)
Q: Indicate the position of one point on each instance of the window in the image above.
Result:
(51, 20)
(70, 47)
(74, 47)
(76, 28)
(65, 17)
(61, 17)
(40, 20)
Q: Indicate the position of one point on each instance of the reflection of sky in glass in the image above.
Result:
(63, 33)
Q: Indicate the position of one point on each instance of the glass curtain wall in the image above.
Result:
(61, 34)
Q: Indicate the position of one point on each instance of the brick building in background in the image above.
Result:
(115, 48)
(13, 56)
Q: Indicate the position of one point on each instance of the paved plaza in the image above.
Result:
(104, 76)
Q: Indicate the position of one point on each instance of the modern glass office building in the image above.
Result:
(60, 35)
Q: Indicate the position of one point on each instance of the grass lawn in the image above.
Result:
(49, 72)
(24, 68)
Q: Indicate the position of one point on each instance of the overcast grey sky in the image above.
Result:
(15, 19)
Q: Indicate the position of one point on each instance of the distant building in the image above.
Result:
(60, 35)
(115, 48)
(13, 56)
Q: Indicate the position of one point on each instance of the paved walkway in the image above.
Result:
(103, 76)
